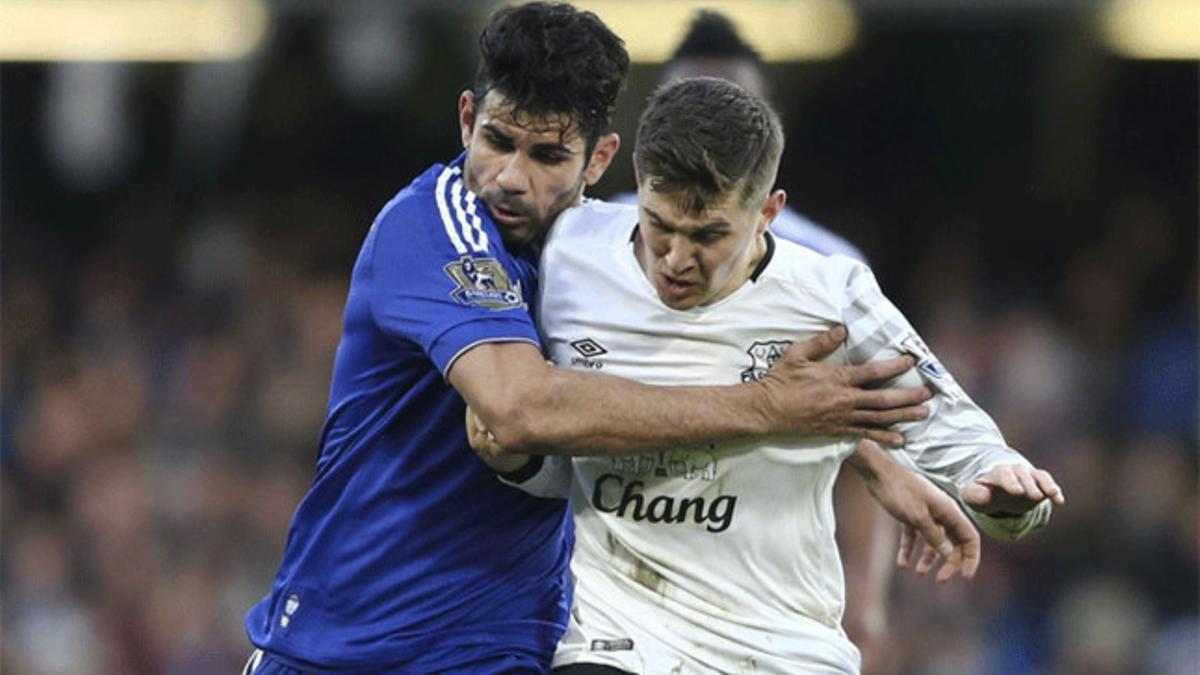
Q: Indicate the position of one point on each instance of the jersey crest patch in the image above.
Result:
(763, 355)
(485, 283)
(926, 361)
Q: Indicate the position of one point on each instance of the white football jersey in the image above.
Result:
(721, 558)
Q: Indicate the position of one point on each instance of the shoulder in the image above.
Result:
(594, 222)
(829, 276)
(436, 212)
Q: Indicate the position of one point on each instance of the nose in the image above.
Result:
(514, 175)
(680, 254)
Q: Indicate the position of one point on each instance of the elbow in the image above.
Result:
(516, 433)
(525, 414)
(522, 425)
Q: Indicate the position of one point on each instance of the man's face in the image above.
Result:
(697, 259)
(527, 169)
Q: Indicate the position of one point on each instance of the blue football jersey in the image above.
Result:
(407, 554)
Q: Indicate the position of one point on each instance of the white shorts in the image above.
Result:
(612, 626)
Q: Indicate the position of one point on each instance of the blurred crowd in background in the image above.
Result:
(178, 237)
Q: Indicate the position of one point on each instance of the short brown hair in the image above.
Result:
(701, 138)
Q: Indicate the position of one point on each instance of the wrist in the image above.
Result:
(871, 462)
(762, 410)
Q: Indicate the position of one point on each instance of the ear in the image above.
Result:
(771, 207)
(602, 156)
(466, 116)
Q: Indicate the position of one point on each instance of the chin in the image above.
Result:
(521, 236)
(682, 303)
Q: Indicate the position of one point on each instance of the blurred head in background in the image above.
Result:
(713, 48)
(536, 123)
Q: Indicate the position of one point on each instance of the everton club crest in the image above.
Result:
(763, 354)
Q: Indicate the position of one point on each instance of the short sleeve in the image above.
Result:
(439, 276)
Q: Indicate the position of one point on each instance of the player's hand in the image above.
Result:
(483, 442)
(824, 399)
(930, 518)
(1011, 489)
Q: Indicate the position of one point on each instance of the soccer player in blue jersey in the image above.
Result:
(407, 555)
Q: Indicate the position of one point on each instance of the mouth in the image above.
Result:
(508, 217)
(675, 286)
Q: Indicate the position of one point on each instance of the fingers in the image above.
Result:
(1029, 486)
(879, 371)
(475, 437)
(965, 538)
(817, 348)
(935, 542)
(480, 427)
(883, 418)
(1046, 482)
(951, 566)
(898, 397)
(1020, 481)
(893, 439)
(1006, 479)
(908, 546)
(929, 557)
(972, 554)
(945, 534)
(976, 494)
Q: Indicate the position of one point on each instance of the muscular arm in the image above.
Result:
(531, 407)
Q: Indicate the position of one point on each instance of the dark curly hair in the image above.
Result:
(551, 59)
(701, 138)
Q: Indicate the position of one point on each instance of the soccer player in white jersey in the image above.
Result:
(721, 558)
(712, 47)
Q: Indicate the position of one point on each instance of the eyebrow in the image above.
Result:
(543, 146)
(718, 224)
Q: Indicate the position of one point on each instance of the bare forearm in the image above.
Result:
(590, 414)
(531, 407)
(867, 538)
(870, 462)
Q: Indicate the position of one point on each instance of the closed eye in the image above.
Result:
(708, 236)
(660, 226)
(498, 141)
(550, 156)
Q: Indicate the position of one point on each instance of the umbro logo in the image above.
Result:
(588, 350)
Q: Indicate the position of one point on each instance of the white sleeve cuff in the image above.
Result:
(1013, 528)
(546, 476)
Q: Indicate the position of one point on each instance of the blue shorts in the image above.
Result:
(262, 663)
